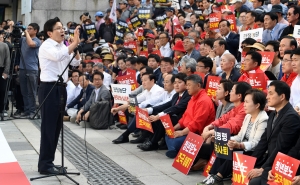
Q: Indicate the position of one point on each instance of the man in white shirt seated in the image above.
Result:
(165, 49)
(107, 77)
(295, 88)
(157, 98)
(73, 86)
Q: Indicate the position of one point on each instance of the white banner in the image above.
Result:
(121, 92)
(255, 34)
(296, 33)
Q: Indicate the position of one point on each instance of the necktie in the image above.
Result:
(178, 100)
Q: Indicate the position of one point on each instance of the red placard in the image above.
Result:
(267, 59)
(242, 164)
(157, 52)
(129, 80)
(202, 75)
(129, 23)
(142, 119)
(144, 54)
(131, 72)
(284, 169)
(122, 117)
(225, 8)
(132, 45)
(167, 123)
(257, 81)
(231, 19)
(178, 29)
(214, 19)
(139, 34)
(217, 9)
(209, 164)
(212, 85)
(188, 152)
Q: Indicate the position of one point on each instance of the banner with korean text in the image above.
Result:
(136, 22)
(142, 119)
(209, 164)
(255, 34)
(257, 81)
(231, 19)
(267, 59)
(296, 33)
(167, 123)
(188, 152)
(212, 85)
(214, 19)
(90, 29)
(284, 169)
(242, 164)
(222, 135)
(131, 45)
(120, 92)
(122, 117)
(129, 80)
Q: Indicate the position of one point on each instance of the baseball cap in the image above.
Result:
(187, 25)
(150, 35)
(276, 9)
(170, 9)
(120, 41)
(123, 2)
(99, 14)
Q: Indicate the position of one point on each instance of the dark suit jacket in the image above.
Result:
(233, 43)
(234, 75)
(88, 91)
(157, 74)
(170, 107)
(103, 94)
(279, 139)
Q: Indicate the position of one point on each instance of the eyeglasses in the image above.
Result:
(149, 39)
(290, 14)
(59, 28)
(97, 79)
(162, 37)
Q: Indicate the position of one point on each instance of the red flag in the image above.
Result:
(267, 59)
(284, 169)
(188, 152)
(242, 164)
(209, 164)
(214, 19)
(167, 123)
(142, 120)
(212, 85)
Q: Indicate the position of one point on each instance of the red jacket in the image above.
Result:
(290, 79)
(199, 113)
(245, 75)
(232, 119)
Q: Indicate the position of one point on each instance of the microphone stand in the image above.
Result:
(62, 168)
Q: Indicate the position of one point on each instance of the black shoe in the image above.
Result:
(137, 134)
(163, 146)
(17, 113)
(140, 139)
(50, 171)
(123, 127)
(171, 154)
(148, 146)
(121, 139)
(22, 116)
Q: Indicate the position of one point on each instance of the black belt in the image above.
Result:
(52, 83)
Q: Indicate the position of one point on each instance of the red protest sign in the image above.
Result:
(129, 23)
(257, 81)
(122, 117)
(131, 45)
(167, 123)
(139, 34)
(267, 59)
(214, 19)
(144, 54)
(202, 75)
(217, 9)
(188, 152)
(284, 169)
(227, 8)
(212, 85)
(242, 164)
(157, 52)
(130, 71)
(129, 80)
(243, 55)
(178, 30)
(209, 164)
(142, 119)
(231, 19)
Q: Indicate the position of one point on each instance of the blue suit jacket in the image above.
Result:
(76, 101)
(195, 54)
(278, 29)
(233, 43)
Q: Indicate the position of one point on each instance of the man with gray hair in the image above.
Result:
(107, 77)
(189, 47)
(196, 35)
(187, 65)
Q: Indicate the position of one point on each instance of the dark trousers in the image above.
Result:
(19, 98)
(131, 127)
(261, 180)
(51, 122)
(3, 84)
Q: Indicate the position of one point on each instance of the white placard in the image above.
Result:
(255, 34)
(296, 33)
(121, 92)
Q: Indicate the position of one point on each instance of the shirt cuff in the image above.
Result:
(150, 110)
(161, 114)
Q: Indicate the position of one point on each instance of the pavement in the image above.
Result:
(151, 168)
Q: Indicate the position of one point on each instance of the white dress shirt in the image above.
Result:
(148, 96)
(72, 91)
(97, 93)
(165, 51)
(107, 80)
(54, 57)
(162, 99)
(295, 91)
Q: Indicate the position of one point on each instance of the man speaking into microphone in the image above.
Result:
(54, 56)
